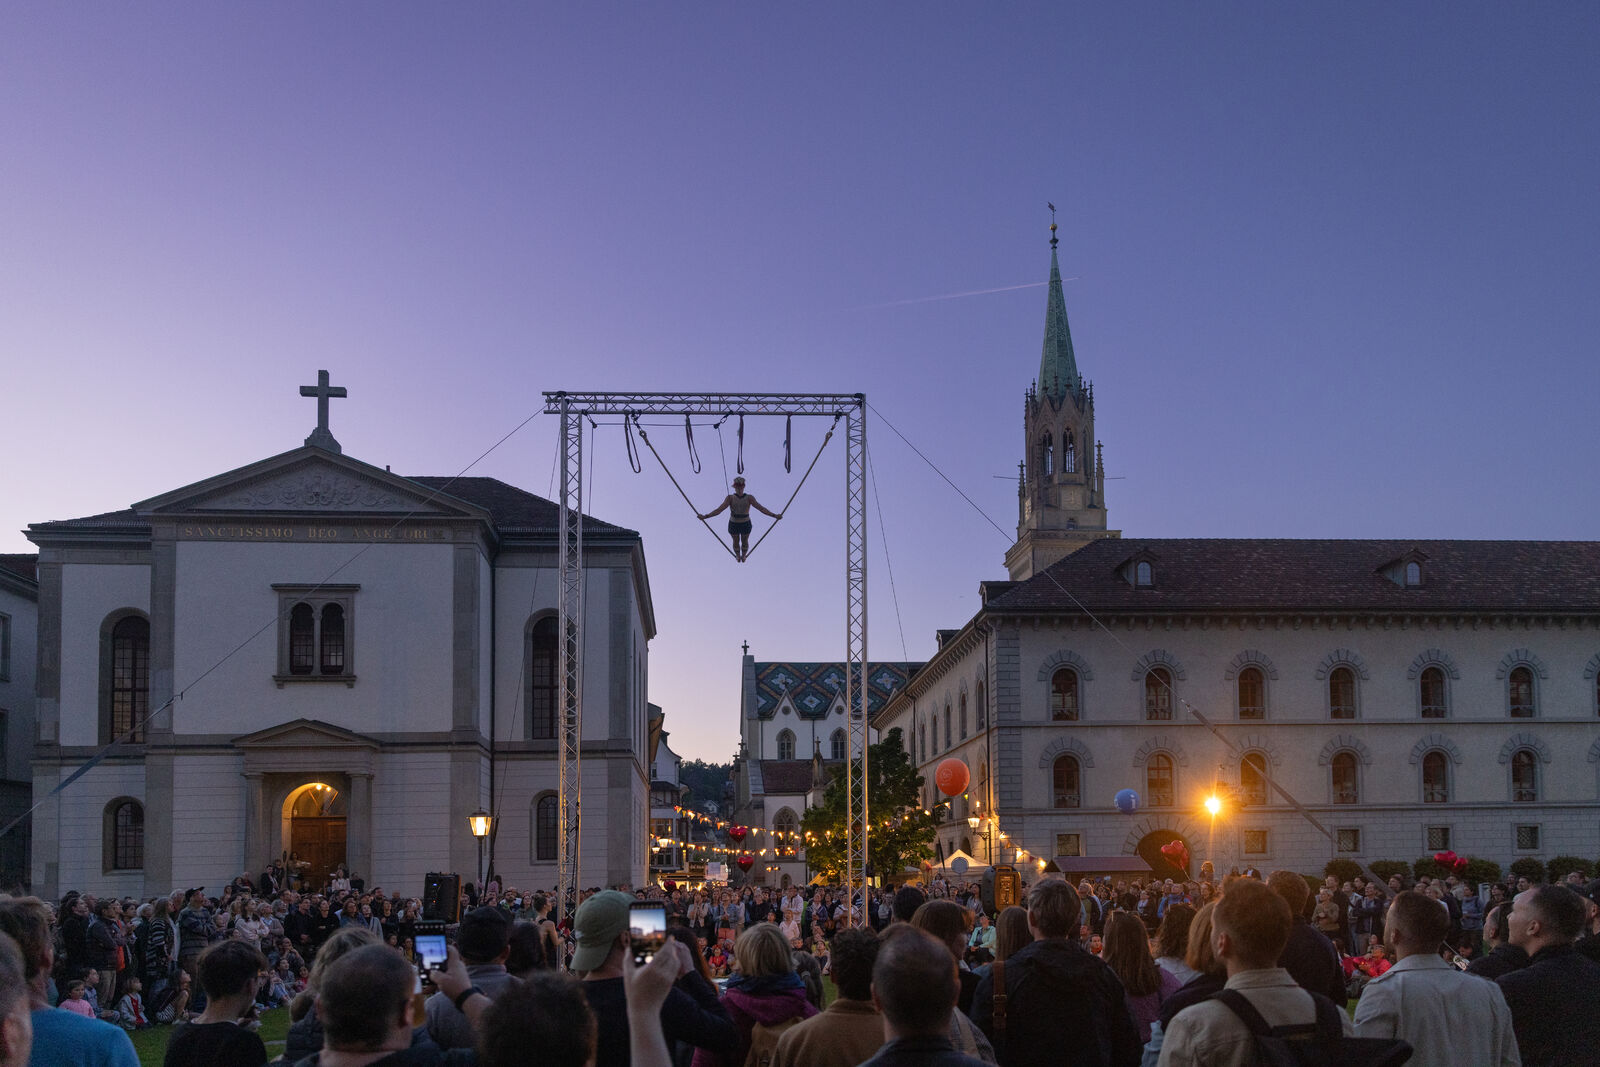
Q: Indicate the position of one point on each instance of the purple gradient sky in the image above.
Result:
(1334, 271)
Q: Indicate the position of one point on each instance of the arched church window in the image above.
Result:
(837, 745)
(1047, 456)
(543, 681)
(947, 726)
(963, 714)
(1069, 452)
(1519, 691)
(1524, 776)
(1346, 784)
(1158, 693)
(786, 745)
(1253, 778)
(302, 638)
(332, 639)
(1067, 775)
(1143, 576)
(1064, 695)
(546, 828)
(124, 835)
(1341, 693)
(1432, 693)
(786, 829)
(983, 706)
(130, 678)
(1252, 694)
(1159, 788)
(1435, 778)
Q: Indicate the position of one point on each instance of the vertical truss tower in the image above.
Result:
(573, 409)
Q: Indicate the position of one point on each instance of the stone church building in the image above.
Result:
(311, 656)
(1405, 696)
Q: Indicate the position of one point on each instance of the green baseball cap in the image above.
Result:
(600, 921)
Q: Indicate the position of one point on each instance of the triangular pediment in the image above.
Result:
(309, 481)
(304, 733)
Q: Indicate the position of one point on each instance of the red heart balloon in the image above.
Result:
(1177, 852)
(738, 832)
(745, 862)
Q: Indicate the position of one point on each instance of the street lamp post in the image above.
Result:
(978, 826)
(480, 821)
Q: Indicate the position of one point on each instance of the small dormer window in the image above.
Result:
(1143, 577)
(1413, 574)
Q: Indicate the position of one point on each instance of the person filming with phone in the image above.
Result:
(484, 942)
(605, 948)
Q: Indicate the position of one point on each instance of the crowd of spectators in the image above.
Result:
(1122, 973)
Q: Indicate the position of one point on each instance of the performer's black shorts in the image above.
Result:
(737, 528)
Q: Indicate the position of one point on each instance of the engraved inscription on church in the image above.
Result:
(313, 532)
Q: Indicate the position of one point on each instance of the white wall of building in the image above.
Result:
(89, 593)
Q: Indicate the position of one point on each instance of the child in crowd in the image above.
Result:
(130, 1009)
(718, 961)
(75, 1001)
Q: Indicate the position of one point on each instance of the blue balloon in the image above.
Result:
(1127, 801)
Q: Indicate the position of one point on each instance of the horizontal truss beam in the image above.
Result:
(704, 403)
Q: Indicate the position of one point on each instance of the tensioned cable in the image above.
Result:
(887, 560)
(276, 619)
(667, 471)
(1233, 747)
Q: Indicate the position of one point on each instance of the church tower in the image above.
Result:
(1061, 481)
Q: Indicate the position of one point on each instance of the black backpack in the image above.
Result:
(1318, 1044)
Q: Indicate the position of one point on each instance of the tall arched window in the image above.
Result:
(1346, 786)
(1159, 788)
(332, 639)
(1064, 695)
(922, 741)
(130, 678)
(786, 745)
(1341, 693)
(1143, 576)
(786, 830)
(1253, 778)
(124, 835)
(1047, 456)
(1252, 694)
(963, 715)
(1068, 793)
(947, 741)
(1519, 692)
(1157, 693)
(543, 680)
(546, 828)
(1069, 452)
(1524, 776)
(1431, 691)
(302, 638)
(837, 745)
(983, 706)
(1435, 778)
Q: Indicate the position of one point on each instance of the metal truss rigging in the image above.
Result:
(573, 409)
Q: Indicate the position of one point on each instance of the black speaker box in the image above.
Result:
(441, 897)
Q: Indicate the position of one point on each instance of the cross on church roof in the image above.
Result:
(321, 437)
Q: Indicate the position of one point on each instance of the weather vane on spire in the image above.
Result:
(1052, 223)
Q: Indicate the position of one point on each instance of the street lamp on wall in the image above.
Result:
(480, 821)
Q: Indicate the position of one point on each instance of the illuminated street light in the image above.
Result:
(1213, 804)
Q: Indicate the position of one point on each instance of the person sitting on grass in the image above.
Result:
(76, 1000)
(130, 1008)
(230, 974)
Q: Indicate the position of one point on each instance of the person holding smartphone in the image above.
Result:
(484, 941)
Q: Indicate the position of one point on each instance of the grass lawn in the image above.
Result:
(151, 1044)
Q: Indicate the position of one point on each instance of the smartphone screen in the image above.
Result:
(647, 926)
(431, 952)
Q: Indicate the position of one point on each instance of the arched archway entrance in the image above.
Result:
(1149, 850)
(314, 817)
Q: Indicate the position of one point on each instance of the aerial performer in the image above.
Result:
(738, 504)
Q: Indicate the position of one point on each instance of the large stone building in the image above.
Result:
(19, 599)
(313, 655)
(1408, 695)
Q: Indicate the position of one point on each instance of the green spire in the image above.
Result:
(1058, 369)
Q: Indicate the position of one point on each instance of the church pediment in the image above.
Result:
(308, 480)
(304, 733)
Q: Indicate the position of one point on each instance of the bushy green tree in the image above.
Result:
(1342, 869)
(900, 835)
(1387, 869)
(1561, 866)
(1529, 868)
(1480, 870)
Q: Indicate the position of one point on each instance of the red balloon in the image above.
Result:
(738, 832)
(952, 777)
(1178, 853)
(745, 862)
(670, 885)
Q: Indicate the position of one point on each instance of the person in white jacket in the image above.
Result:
(1422, 999)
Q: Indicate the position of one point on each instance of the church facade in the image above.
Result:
(1380, 699)
(313, 657)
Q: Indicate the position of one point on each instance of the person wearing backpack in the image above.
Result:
(1249, 930)
(764, 999)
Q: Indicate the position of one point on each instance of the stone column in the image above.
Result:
(358, 828)
(257, 837)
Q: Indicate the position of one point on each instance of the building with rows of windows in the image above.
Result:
(1378, 699)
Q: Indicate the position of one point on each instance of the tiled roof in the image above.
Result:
(511, 509)
(1280, 575)
(785, 776)
(813, 687)
(22, 564)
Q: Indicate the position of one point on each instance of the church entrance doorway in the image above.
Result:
(315, 837)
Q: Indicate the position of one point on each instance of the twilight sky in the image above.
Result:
(1333, 272)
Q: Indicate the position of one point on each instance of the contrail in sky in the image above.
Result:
(956, 296)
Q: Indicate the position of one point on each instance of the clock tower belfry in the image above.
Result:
(1061, 480)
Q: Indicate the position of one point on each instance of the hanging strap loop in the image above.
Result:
(646, 439)
(739, 463)
(785, 509)
(627, 435)
(788, 436)
(694, 456)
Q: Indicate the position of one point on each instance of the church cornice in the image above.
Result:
(1032, 619)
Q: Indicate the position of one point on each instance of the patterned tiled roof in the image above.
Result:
(785, 776)
(1283, 575)
(813, 687)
